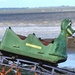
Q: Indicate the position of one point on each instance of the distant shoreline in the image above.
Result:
(36, 10)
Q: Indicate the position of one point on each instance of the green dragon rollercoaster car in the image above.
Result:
(35, 49)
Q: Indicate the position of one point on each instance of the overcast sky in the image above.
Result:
(35, 3)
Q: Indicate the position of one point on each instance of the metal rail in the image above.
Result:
(32, 66)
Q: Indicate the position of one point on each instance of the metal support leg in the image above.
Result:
(8, 71)
(35, 74)
(52, 71)
(18, 71)
(3, 70)
(33, 68)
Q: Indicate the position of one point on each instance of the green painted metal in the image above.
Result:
(33, 47)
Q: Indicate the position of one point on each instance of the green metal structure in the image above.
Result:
(36, 48)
